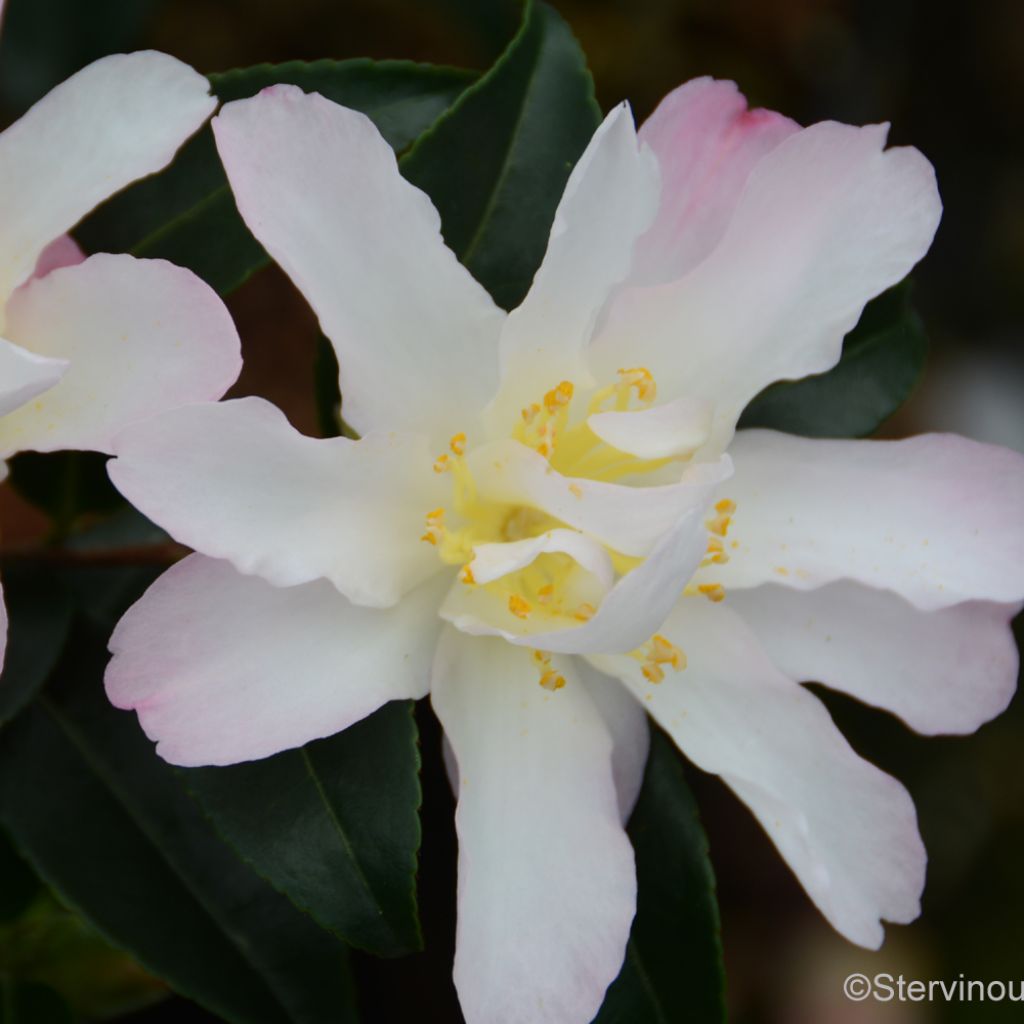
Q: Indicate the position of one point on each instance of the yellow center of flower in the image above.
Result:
(554, 587)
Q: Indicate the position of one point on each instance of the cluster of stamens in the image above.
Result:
(657, 652)
(718, 528)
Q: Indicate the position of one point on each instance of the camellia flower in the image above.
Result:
(550, 524)
(90, 345)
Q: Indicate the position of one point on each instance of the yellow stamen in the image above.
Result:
(712, 591)
(719, 525)
(653, 673)
(640, 377)
(442, 463)
(550, 678)
(725, 507)
(458, 444)
(585, 612)
(519, 607)
(467, 575)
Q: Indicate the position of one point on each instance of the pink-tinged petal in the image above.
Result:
(24, 375)
(608, 202)
(222, 667)
(827, 220)
(61, 252)
(547, 887)
(627, 616)
(141, 336)
(627, 519)
(416, 336)
(626, 720)
(707, 142)
(847, 830)
(235, 480)
(678, 427)
(946, 671)
(934, 518)
(116, 120)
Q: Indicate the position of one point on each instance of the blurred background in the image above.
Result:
(950, 78)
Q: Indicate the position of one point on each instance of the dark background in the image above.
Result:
(950, 78)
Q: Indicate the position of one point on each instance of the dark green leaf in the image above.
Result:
(110, 828)
(496, 163)
(187, 214)
(883, 357)
(30, 1003)
(334, 825)
(65, 485)
(673, 972)
(18, 883)
(39, 609)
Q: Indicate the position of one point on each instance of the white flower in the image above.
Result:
(90, 345)
(555, 480)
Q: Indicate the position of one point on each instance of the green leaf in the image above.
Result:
(334, 826)
(496, 163)
(40, 609)
(673, 971)
(110, 828)
(65, 485)
(187, 213)
(31, 1003)
(883, 357)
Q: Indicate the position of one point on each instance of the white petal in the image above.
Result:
(706, 142)
(547, 889)
(608, 203)
(627, 519)
(827, 220)
(223, 667)
(24, 375)
(235, 480)
(934, 518)
(141, 336)
(492, 561)
(848, 831)
(416, 336)
(626, 720)
(118, 119)
(632, 610)
(678, 427)
(946, 671)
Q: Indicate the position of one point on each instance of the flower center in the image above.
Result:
(491, 540)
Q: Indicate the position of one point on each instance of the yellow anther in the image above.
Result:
(552, 680)
(585, 612)
(530, 412)
(576, 490)
(725, 507)
(442, 463)
(544, 449)
(458, 444)
(663, 652)
(716, 553)
(558, 397)
(545, 593)
(719, 525)
(782, 570)
(653, 673)
(712, 591)
(518, 606)
(467, 575)
(429, 538)
(435, 527)
(640, 378)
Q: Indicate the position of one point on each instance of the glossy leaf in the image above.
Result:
(111, 829)
(883, 357)
(673, 971)
(496, 163)
(39, 609)
(187, 213)
(333, 825)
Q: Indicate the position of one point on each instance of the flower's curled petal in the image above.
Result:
(946, 671)
(141, 336)
(222, 667)
(827, 220)
(235, 480)
(677, 427)
(608, 202)
(492, 561)
(848, 831)
(547, 886)
(416, 336)
(118, 119)
(707, 142)
(61, 252)
(935, 518)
